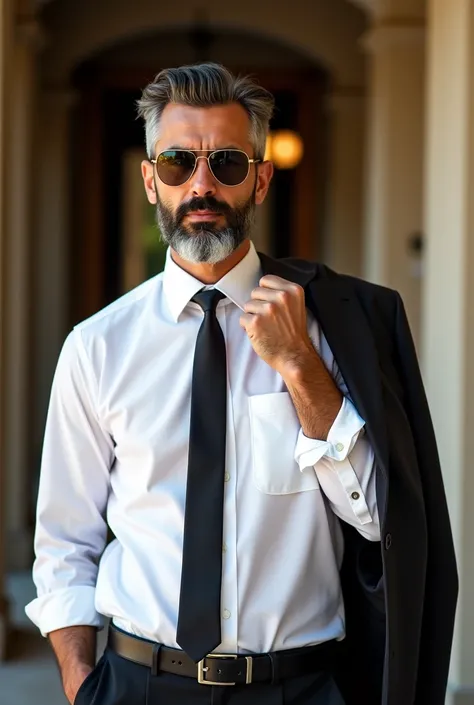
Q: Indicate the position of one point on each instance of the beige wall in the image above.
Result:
(343, 242)
(394, 168)
(448, 332)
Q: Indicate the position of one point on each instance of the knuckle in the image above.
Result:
(296, 288)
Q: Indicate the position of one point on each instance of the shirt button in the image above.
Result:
(226, 614)
(227, 477)
(355, 495)
(339, 447)
(224, 547)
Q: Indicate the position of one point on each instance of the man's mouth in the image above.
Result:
(202, 215)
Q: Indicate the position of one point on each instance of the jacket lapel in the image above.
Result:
(333, 302)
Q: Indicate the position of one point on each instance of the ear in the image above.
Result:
(264, 177)
(148, 173)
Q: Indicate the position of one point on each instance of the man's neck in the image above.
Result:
(211, 273)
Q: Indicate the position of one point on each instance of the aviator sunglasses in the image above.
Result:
(228, 166)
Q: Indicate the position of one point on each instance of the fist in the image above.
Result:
(275, 322)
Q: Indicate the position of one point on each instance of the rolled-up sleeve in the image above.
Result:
(344, 465)
(71, 531)
(341, 439)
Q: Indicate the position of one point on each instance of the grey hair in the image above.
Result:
(205, 85)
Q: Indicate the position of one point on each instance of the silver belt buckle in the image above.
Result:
(201, 677)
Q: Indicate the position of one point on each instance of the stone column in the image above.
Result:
(394, 164)
(345, 202)
(6, 30)
(448, 314)
(52, 239)
(19, 274)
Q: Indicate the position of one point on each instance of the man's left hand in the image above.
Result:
(275, 322)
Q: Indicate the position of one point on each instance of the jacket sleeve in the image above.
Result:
(441, 574)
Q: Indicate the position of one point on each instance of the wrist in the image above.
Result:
(295, 367)
(73, 676)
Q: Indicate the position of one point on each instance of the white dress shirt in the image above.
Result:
(116, 448)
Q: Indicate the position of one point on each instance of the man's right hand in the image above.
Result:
(73, 680)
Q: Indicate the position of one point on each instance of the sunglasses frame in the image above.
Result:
(211, 152)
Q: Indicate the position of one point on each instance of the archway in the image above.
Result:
(325, 32)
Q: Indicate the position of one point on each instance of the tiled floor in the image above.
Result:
(30, 676)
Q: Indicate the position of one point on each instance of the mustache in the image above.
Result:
(205, 203)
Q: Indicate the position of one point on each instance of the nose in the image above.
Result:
(203, 182)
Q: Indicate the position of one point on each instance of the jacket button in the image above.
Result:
(388, 541)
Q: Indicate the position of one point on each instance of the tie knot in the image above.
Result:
(209, 299)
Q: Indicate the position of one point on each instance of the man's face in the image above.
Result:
(203, 220)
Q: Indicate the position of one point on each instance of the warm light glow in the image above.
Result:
(284, 148)
(268, 148)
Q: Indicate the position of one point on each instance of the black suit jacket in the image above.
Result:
(400, 594)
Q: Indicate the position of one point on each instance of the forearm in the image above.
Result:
(75, 651)
(315, 396)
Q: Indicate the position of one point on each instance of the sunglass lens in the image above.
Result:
(175, 166)
(229, 166)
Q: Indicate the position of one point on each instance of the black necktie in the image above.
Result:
(199, 620)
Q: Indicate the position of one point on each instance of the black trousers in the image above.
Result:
(118, 681)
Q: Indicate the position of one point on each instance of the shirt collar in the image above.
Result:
(179, 287)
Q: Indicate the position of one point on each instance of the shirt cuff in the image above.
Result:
(68, 607)
(341, 439)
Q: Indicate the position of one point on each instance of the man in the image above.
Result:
(256, 435)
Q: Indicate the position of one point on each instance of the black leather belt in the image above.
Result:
(225, 669)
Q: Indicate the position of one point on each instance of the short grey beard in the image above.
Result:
(204, 246)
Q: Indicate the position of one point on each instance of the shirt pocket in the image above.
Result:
(274, 429)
